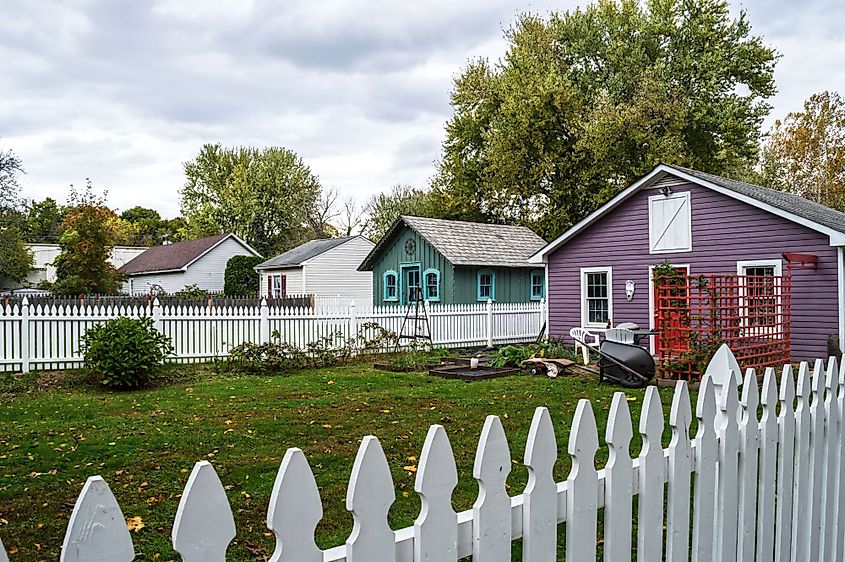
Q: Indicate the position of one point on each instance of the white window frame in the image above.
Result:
(741, 266)
(584, 309)
(688, 205)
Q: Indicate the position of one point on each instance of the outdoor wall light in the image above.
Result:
(665, 190)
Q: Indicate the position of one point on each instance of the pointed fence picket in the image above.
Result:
(733, 492)
(48, 336)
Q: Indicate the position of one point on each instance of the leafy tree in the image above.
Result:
(15, 258)
(88, 237)
(586, 101)
(805, 153)
(383, 208)
(240, 277)
(44, 221)
(265, 196)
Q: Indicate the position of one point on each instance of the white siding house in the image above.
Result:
(327, 269)
(43, 270)
(173, 267)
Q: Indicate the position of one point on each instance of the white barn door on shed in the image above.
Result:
(669, 223)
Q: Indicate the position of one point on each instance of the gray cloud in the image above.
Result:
(124, 92)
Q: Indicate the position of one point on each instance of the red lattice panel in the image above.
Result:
(695, 314)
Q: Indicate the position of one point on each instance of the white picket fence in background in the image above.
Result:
(47, 337)
(742, 488)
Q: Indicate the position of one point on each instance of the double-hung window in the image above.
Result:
(760, 283)
(486, 287)
(276, 287)
(538, 282)
(391, 286)
(431, 283)
(596, 296)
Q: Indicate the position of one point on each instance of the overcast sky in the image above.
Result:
(125, 91)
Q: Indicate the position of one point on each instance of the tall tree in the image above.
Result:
(805, 153)
(87, 240)
(383, 208)
(586, 101)
(15, 258)
(265, 196)
(43, 221)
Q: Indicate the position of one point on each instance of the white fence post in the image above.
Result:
(489, 323)
(157, 315)
(353, 321)
(25, 335)
(544, 319)
(264, 322)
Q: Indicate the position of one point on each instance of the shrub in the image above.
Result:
(125, 353)
(240, 278)
(191, 292)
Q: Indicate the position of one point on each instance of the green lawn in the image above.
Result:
(145, 443)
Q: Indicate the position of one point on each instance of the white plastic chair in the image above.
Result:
(620, 335)
(583, 335)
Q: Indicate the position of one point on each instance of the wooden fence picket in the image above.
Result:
(749, 432)
(369, 497)
(436, 528)
(801, 488)
(679, 482)
(491, 512)
(582, 486)
(295, 511)
(618, 481)
(839, 495)
(817, 462)
(204, 525)
(539, 508)
(651, 479)
(3, 556)
(786, 467)
(97, 531)
(768, 446)
(706, 456)
(829, 520)
(728, 474)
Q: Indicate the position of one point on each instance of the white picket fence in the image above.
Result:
(48, 337)
(743, 488)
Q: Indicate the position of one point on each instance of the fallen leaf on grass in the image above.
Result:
(134, 524)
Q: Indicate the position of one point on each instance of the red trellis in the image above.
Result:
(695, 314)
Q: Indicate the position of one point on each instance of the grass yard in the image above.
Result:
(144, 444)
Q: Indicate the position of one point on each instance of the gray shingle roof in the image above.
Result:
(304, 252)
(470, 243)
(788, 202)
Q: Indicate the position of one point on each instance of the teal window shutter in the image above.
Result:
(391, 286)
(431, 281)
(538, 284)
(486, 284)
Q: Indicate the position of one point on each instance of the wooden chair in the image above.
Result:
(620, 335)
(584, 335)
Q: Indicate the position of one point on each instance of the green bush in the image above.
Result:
(240, 278)
(191, 292)
(125, 353)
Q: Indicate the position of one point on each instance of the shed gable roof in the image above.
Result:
(304, 252)
(787, 205)
(172, 257)
(467, 243)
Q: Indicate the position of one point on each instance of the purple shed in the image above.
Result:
(706, 224)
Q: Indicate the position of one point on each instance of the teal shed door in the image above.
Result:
(410, 283)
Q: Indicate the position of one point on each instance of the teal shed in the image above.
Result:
(455, 262)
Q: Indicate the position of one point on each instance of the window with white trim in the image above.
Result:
(670, 223)
(596, 296)
(277, 286)
(760, 292)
